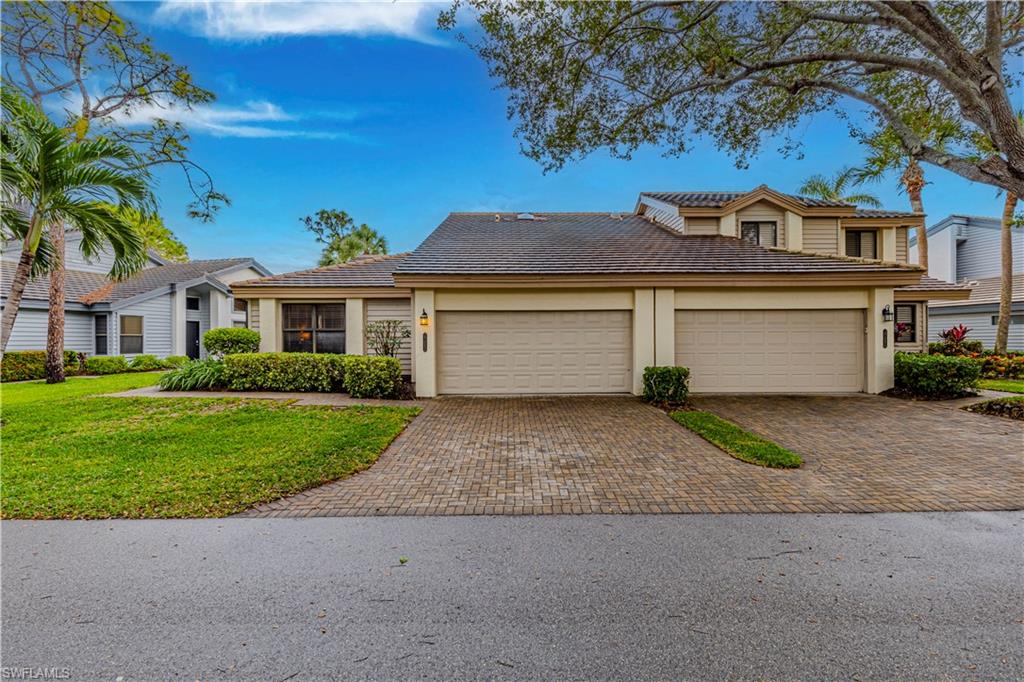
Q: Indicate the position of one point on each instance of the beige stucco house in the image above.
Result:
(755, 292)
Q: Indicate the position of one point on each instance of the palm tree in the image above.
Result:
(50, 179)
(834, 188)
(1006, 267)
(359, 241)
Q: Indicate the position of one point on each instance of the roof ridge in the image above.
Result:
(355, 262)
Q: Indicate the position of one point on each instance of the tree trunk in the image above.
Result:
(913, 181)
(1006, 281)
(55, 321)
(21, 275)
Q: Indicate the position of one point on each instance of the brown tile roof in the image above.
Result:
(601, 243)
(364, 271)
(987, 291)
(883, 213)
(931, 284)
(719, 199)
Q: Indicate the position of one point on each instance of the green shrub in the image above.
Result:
(1009, 366)
(935, 377)
(965, 346)
(195, 375)
(106, 364)
(284, 371)
(24, 365)
(372, 376)
(231, 340)
(174, 361)
(666, 385)
(146, 363)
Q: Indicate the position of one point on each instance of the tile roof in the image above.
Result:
(719, 199)
(601, 243)
(77, 283)
(364, 271)
(883, 213)
(94, 287)
(987, 291)
(931, 284)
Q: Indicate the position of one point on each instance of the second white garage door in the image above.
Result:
(534, 352)
(772, 351)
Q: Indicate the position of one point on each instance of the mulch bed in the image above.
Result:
(1010, 408)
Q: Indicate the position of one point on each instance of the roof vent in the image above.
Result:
(525, 216)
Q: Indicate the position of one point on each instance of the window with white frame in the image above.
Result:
(313, 327)
(100, 322)
(1014, 319)
(131, 334)
(906, 323)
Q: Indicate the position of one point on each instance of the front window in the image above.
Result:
(131, 334)
(241, 305)
(861, 243)
(191, 303)
(101, 334)
(314, 328)
(906, 323)
(760, 233)
(1014, 319)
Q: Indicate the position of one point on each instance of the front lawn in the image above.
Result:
(1007, 385)
(742, 445)
(67, 455)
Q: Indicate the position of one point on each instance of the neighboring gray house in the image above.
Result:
(966, 249)
(162, 310)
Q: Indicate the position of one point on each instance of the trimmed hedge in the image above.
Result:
(25, 365)
(321, 372)
(666, 385)
(106, 364)
(935, 377)
(372, 376)
(231, 340)
(146, 363)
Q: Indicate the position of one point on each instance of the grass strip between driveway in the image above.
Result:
(67, 455)
(1006, 385)
(741, 444)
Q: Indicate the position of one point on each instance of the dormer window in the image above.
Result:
(862, 243)
(760, 233)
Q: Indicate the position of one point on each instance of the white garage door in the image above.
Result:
(772, 351)
(534, 352)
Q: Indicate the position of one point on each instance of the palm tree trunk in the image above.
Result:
(55, 321)
(1006, 282)
(18, 284)
(913, 181)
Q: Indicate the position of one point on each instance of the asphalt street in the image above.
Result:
(739, 597)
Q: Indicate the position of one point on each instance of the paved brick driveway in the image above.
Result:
(617, 455)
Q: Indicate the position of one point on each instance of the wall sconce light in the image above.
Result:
(887, 314)
(424, 319)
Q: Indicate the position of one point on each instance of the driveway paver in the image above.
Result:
(578, 455)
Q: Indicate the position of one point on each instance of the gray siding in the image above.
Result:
(30, 331)
(156, 326)
(981, 326)
(393, 309)
(978, 256)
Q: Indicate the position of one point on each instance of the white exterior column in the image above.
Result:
(220, 309)
(888, 244)
(794, 231)
(664, 327)
(879, 342)
(643, 336)
(354, 343)
(178, 321)
(424, 351)
(727, 225)
(270, 331)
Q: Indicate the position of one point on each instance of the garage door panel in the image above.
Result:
(534, 352)
(774, 351)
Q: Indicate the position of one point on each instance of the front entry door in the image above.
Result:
(192, 339)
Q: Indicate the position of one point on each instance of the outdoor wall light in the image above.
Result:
(424, 319)
(886, 314)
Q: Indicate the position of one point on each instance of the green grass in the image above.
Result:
(741, 444)
(70, 456)
(1007, 385)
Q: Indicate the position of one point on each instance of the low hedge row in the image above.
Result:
(25, 365)
(361, 376)
(935, 377)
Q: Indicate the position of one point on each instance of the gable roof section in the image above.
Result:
(986, 291)
(77, 283)
(720, 203)
(162, 276)
(364, 271)
(602, 244)
(720, 199)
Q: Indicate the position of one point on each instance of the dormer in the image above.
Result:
(774, 219)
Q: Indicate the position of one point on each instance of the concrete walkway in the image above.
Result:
(335, 399)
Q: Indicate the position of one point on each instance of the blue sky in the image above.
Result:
(372, 111)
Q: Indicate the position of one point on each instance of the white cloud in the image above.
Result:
(248, 20)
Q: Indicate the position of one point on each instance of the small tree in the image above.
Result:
(342, 240)
(385, 337)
